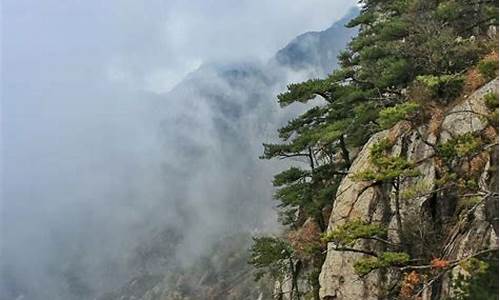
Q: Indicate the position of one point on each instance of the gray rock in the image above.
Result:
(376, 203)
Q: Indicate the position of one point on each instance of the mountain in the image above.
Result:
(318, 50)
(222, 189)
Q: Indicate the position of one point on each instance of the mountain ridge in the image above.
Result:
(234, 102)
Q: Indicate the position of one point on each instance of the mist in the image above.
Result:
(114, 128)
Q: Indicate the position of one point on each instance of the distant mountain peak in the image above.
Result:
(318, 50)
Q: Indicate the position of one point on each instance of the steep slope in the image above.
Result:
(462, 235)
(318, 49)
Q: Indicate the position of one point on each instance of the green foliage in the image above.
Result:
(268, 250)
(464, 145)
(405, 48)
(271, 254)
(389, 116)
(488, 68)
(303, 92)
(365, 265)
(387, 167)
(482, 281)
(396, 167)
(291, 175)
(448, 10)
(293, 194)
(378, 149)
(396, 29)
(309, 191)
(353, 230)
(443, 88)
(475, 266)
(418, 189)
(302, 123)
(491, 100)
(468, 202)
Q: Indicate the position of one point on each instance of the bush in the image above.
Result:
(480, 283)
(474, 80)
(488, 66)
(386, 259)
(387, 167)
(271, 254)
(389, 116)
(443, 88)
(491, 100)
(489, 69)
(465, 145)
(348, 233)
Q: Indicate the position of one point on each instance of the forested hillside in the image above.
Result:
(392, 189)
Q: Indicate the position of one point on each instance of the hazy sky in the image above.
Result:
(80, 81)
(149, 44)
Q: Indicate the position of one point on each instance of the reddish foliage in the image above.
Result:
(440, 263)
(473, 80)
(411, 281)
(305, 238)
(477, 164)
(492, 56)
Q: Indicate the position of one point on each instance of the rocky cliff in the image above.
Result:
(460, 229)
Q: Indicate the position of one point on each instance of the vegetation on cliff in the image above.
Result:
(411, 59)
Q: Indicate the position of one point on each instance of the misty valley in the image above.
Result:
(249, 150)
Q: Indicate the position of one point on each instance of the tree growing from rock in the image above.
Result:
(409, 58)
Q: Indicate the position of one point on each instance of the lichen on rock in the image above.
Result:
(375, 203)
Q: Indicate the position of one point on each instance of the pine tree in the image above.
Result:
(407, 54)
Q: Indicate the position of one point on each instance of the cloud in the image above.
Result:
(90, 166)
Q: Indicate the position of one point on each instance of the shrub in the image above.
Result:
(488, 66)
(411, 282)
(386, 259)
(306, 240)
(474, 80)
(387, 167)
(489, 69)
(443, 88)
(480, 283)
(348, 233)
(491, 100)
(270, 253)
(459, 147)
(389, 116)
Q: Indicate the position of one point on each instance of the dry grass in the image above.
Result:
(418, 93)
(398, 130)
(436, 119)
(408, 287)
(473, 80)
(490, 134)
(305, 238)
(492, 56)
(476, 164)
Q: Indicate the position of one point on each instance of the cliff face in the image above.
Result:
(476, 229)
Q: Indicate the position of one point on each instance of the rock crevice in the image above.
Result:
(433, 210)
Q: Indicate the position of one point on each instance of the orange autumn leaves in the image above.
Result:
(410, 283)
(437, 263)
(413, 280)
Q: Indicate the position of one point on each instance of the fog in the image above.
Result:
(113, 128)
